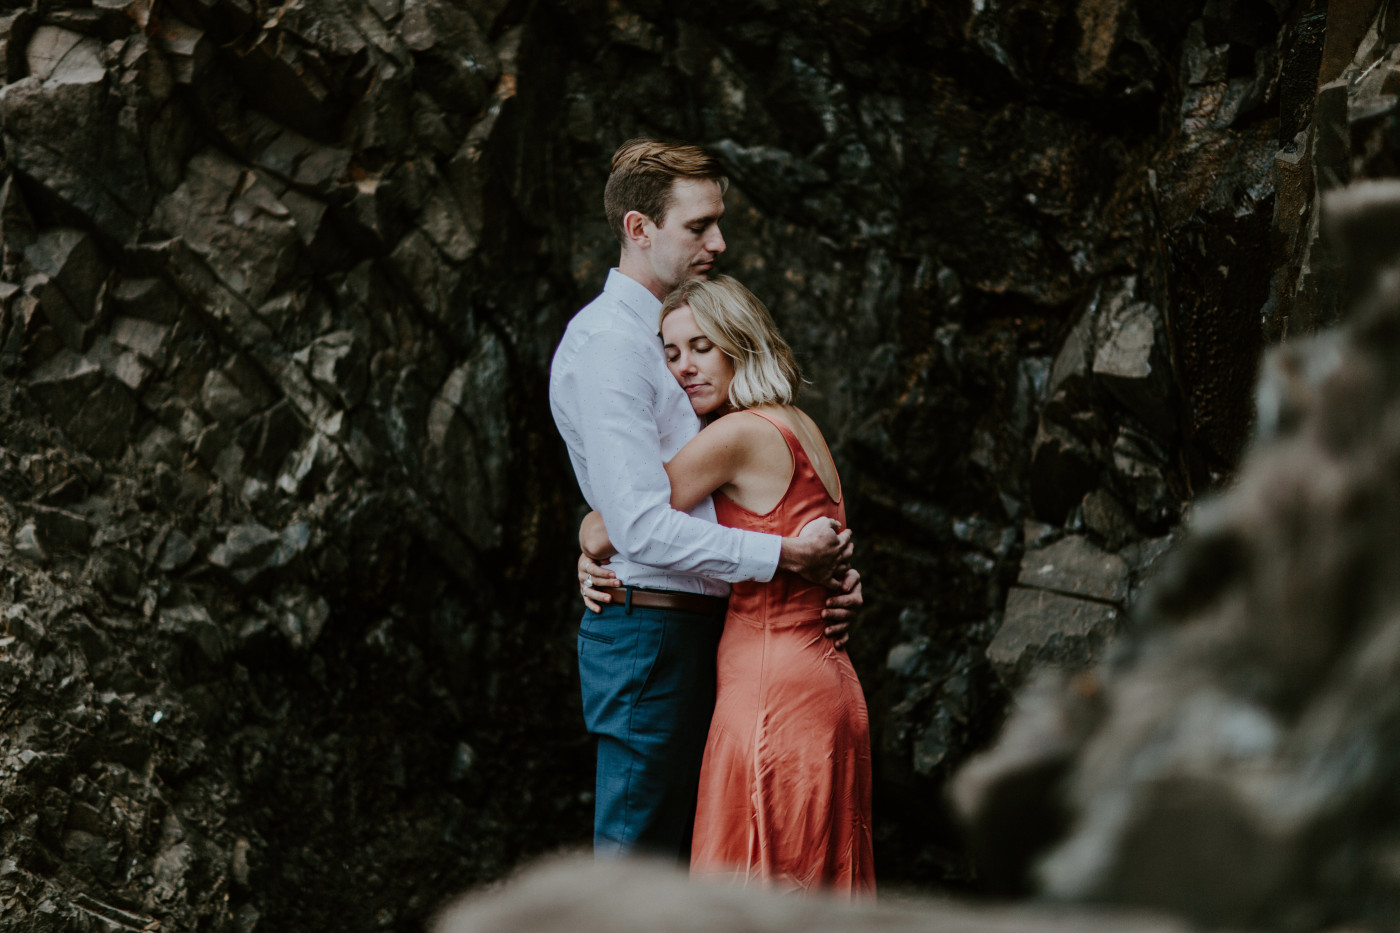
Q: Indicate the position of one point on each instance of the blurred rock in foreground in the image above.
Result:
(580, 895)
(1236, 757)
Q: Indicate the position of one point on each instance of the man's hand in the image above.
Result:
(817, 550)
(840, 609)
(591, 575)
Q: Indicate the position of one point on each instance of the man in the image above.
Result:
(647, 656)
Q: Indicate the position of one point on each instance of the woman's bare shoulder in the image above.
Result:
(739, 423)
(796, 417)
(796, 420)
(749, 428)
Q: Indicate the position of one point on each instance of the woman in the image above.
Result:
(785, 785)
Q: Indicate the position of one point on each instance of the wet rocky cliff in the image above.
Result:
(288, 534)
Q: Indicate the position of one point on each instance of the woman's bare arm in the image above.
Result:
(593, 537)
(711, 460)
(593, 571)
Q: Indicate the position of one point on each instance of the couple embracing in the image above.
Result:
(731, 727)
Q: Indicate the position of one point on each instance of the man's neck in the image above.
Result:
(632, 266)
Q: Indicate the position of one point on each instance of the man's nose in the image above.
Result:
(715, 243)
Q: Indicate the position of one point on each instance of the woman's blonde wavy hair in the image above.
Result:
(732, 317)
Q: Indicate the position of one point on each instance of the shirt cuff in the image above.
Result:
(759, 556)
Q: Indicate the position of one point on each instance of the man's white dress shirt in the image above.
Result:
(623, 416)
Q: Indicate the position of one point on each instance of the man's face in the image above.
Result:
(688, 242)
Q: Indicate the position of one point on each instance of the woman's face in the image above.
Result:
(699, 366)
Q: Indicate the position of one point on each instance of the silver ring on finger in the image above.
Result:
(588, 581)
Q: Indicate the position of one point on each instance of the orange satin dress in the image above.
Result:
(785, 783)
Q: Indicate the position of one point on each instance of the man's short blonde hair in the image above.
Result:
(765, 370)
(643, 172)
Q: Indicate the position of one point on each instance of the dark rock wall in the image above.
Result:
(288, 583)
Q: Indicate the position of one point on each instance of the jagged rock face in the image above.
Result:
(289, 528)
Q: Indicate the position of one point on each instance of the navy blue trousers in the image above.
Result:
(648, 678)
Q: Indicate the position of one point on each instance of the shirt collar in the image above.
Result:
(635, 297)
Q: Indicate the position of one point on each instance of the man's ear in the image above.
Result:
(634, 228)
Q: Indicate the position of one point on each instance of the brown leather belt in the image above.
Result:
(666, 599)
